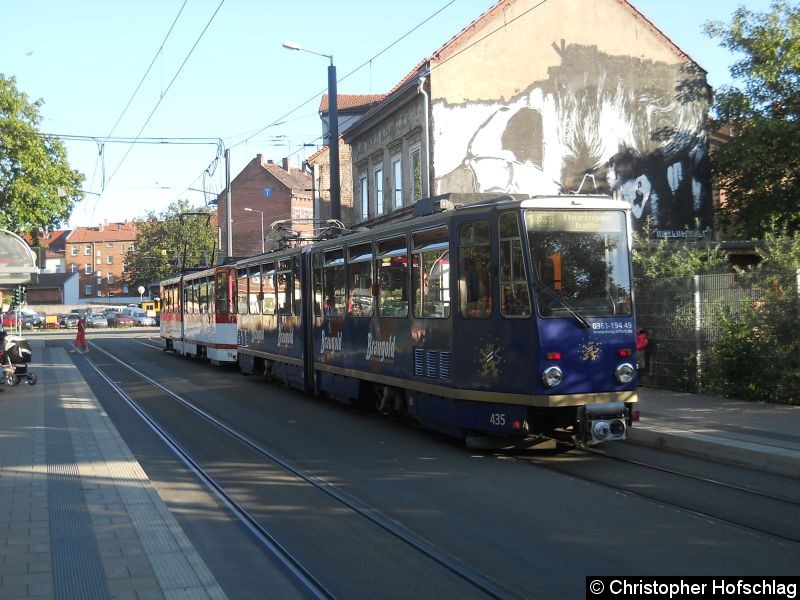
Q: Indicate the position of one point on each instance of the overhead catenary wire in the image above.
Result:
(147, 72)
(281, 119)
(164, 93)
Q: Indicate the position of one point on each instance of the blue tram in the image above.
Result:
(511, 318)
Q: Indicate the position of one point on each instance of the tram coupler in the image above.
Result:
(601, 422)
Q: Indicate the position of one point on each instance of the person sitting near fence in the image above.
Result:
(642, 341)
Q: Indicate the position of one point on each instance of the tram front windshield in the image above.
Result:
(582, 262)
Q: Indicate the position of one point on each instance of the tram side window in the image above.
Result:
(298, 293)
(211, 294)
(514, 298)
(187, 297)
(359, 271)
(317, 271)
(203, 298)
(392, 269)
(221, 292)
(474, 270)
(430, 273)
(268, 286)
(255, 296)
(284, 286)
(196, 295)
(333, 280)
(241, 291)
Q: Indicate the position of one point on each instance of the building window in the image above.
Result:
(378, 191)
(110, 278)
(87, 250)
(362, 181)
(416, 172)
(74, 251)
(109, 260)
(109, 244)
(397, 182)
(73, 268)
(130, 248)
(124, 266)
(87, 269)
(87, 290)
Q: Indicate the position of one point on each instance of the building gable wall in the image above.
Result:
(542, 98)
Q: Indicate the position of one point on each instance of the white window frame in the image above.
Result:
(87, 250)
(109, 260)
(87, 289)
(110, 278)
(397, 181)
(74, 251)
(377, 175)
(87, 269)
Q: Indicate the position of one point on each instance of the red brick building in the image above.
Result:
(272, 192)
(98, 254)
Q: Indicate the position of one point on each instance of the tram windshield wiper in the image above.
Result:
(553, 295)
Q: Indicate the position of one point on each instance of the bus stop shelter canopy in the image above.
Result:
(17, 260)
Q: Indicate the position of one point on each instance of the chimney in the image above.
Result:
(286, 164)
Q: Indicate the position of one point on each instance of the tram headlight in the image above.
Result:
(624, 373)
(552, 376)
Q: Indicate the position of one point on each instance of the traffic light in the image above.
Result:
(19, 295)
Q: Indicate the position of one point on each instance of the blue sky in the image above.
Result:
(86, 58)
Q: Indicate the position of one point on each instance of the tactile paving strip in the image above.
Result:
(77, 570)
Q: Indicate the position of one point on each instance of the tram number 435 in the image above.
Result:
(497, 419)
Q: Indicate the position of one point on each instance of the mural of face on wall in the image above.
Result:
(600, 124)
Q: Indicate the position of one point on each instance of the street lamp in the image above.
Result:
(262, 226)
(333, 130)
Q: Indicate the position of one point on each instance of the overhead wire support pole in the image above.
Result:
(228, 213)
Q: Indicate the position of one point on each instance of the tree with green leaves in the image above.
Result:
(181, 237)
(37, 187)
(759, 169)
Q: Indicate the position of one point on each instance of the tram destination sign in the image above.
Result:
(594, 221)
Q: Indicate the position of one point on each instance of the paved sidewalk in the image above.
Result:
(78, 515)
(758, 435)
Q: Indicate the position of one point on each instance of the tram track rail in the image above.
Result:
(293, 563)
(710, 480)
(777, 531)
(725, 502)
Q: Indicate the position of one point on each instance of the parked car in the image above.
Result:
(71, 320)
(96, 320)
(9, 320)
(118, 319)
(140, 318)
(31, 319)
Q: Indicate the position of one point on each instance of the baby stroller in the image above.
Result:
(15, 354)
